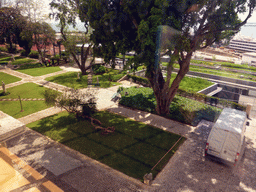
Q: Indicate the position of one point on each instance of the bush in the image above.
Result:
(98, 69)
(56, 57)
(23, 53)
(34, 54)
(181, 109)
(11, 50)
(138, 79)
(29, 66)
(3, 49)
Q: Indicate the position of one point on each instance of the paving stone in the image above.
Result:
(9, 126)
(55, 161)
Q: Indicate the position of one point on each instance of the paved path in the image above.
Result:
(186, 171)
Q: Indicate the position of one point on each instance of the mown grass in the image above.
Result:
(22, 60)
(6, 78)
(27, 90)
(224, 73)
(134, 148)
(40, 71)
(69, 79)
(192, 83)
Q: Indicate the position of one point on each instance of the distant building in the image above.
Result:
(2, 3)
(242, 44)
(249, 58)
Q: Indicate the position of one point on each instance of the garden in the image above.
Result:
(103, 80)
(181, 109)
(10, 103)
(133, 148)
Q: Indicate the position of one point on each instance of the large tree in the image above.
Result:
(43, 36)
(10, 26)
(177, 28)
(66, 12)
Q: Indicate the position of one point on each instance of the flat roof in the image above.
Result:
(231, 120)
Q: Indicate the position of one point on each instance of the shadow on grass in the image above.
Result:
(134, 148)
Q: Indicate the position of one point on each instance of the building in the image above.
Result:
(249, 58)
(241, 43)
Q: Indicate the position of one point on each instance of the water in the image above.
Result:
(249, 30)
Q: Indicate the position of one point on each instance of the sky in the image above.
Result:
(246, 30)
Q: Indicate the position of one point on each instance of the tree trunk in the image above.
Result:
(165, 94)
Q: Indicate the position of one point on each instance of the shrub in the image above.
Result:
(181, 109)
(34, 54)
(138, 79)
(23, 53)
(98, 69)
(29, 66)
(3, 49)
(11, 50)
(56, 57)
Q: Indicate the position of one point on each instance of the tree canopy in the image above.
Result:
(154, 27)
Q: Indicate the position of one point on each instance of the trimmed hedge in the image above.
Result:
(98, 69)
(34, 54)
(29, 66)
(140, 80)
(181, 109)
(3, 49)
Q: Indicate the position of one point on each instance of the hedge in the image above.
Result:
(193, 95)
(182, 109)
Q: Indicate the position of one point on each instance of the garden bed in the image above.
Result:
(181, 109)
(70, 79)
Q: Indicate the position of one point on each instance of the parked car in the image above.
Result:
(226, 139)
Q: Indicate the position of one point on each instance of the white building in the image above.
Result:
(242, 44)
(249, 58)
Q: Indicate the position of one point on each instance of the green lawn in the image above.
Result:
(13, 108)
(27, 90)
(134, 148)
(40, 71)
(6, 78)
(70, 79)
(193, 83)
(22, 60)
(223, 73)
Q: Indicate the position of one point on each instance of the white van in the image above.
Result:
(226, 138)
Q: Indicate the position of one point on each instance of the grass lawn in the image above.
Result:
(6, 78)
(40, 71)
(70, 79)
(22, 60)
(134, 148)
(13, 108)
(27, 90)
(192, 83)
